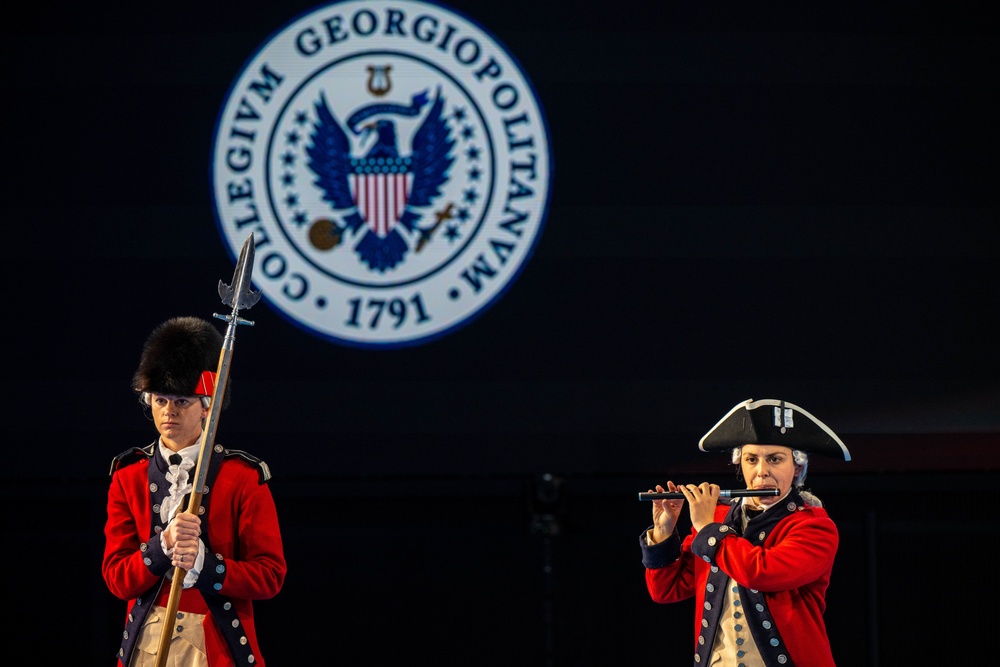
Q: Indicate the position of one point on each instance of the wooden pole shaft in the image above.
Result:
(197, 488)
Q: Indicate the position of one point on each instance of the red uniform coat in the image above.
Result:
(790, 565)
(245, 561)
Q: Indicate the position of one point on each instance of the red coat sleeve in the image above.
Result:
(245, 531)
(801, 551)
(676, 580)
(126, 529)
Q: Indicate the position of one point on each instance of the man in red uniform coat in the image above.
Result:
(758, 568)
(230, 550)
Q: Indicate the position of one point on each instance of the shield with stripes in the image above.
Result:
(381, 187)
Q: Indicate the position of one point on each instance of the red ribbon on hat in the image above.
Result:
(206, 384)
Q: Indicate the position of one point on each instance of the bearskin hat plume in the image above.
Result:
(176, 354)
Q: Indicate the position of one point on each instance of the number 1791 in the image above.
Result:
(395, 310)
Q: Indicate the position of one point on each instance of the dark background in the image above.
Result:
(749, 200)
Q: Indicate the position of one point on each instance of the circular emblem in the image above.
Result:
(393, 164)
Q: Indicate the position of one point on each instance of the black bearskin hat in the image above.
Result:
(176, 355)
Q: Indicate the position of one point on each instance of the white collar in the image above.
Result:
(190, 452)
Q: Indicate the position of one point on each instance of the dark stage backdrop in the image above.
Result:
(748, 200)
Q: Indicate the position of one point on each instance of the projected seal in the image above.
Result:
(393, 164)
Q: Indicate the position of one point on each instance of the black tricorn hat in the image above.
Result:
(773, 422)
(180, 357)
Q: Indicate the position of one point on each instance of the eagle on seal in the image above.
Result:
(381, 192)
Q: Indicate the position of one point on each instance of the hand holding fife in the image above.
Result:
(702, 500)
(665, 513)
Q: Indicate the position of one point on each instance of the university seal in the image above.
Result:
(393, 164)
